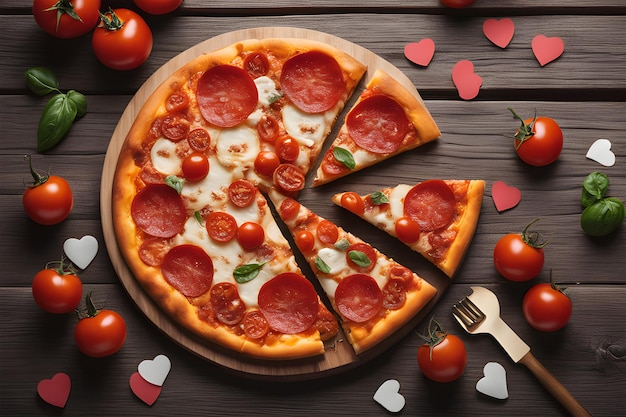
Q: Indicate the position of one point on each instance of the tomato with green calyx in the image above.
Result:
(123, 40)
(101, 333)
(546, 307)
(538, 141)
(520, 257)
(49, 200)
(66, 18)
(443, 357)
(601, 215)
(57, 290)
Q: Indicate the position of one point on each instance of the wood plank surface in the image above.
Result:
(584, 90)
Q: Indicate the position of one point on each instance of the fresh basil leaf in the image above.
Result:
(175, 182)
(79, 100)
(41, 81)
(56, 119)
(342, 244)
(246, 273)
(594, 188)
(359, 258)
(321, 265)
(378, 198)
(603, 217)
(345, 157)
(198, 217)
(274, 98)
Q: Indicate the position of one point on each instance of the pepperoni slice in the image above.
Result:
(394, 294)
(241, 193)
(431, 204)
(254, 324)
(313, 81)
(289, 178)
(189, 269)
(378, 124)
(159, 211)
(226, 95)
(289, 303)
(228, 307)
(358, 298)
(361, 257)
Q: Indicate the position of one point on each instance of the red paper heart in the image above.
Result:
(420, 53)
(500, 32)
(546, 49)
(145, 391)
(466, 81)
(505, 196)
(55, 391)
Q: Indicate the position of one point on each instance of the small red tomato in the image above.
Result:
(195, 166)
(57, 290)
(519, 257)
(123, 40)
(250, 235)
(443, 357)
(353, 202)
(158, 7)
(457, 4)
(102, 333)
(49, 200)
(539, 140)
(407, 230)
(66, 18)
(546, 307)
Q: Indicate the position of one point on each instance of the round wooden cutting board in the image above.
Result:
(339, 356)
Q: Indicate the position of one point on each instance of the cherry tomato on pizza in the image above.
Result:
(122, 40)
(66, 18)
(158, 7)
(250, 235)
(195, 166)
(520, 257)
(546, 307)
(101, 333)
(266, 163)
(57, 290)
(457, 4)
(443, 357)
(538, 141)
(353, 202)
(407, 230)
(49, 200)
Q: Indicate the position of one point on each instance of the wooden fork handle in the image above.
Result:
(553, 386)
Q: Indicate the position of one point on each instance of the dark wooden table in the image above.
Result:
(584, 90)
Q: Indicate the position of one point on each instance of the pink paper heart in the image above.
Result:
(547, 49)
(145, 391)
(56, 390)
(466, 81)
(500, 32)
(505, 196)
(420, 53)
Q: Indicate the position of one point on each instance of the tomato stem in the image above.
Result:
(63, 7)
(62, 269)
(39, 178)
(525, 131)
(110, 21)
(92, 311)
(534, 239)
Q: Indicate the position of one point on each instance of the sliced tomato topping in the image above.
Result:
(221, 226)
(394, 294)
(152, 250)
(199, 139)
(175, 126)
(327, 232)
(289, 209)
(330, 165)
(256, 64)
(228, 307)
(177, 102)
(361, 257)
(268, 128)
(242, 193)
(255, 325)
(289, 178)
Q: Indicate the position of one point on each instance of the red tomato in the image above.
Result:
(102, 333)
(199, 139)
(546, 308)
(241, 193)
(457, 4)
(519, 257)
(66, 18)
(158, 6)
(539, 140)
(353, 202)
(289, 209)
(250, 235)
(443, 357)
(304, 240)
(266, 163)
(57, 290)
(221, 226)
(327, 232)
(195, 166)
(123, 40)
(49, 200)
(287, 149)
(407, 230)
(268, 128)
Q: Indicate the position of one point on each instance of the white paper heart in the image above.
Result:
(81, 251)
(155, 370)
(600, 151)
(388, 396)
(493, 383)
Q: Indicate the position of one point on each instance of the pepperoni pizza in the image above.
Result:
(385, 121)
(435, 218)
(373, 294)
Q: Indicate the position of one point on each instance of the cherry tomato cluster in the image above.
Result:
(122, 40)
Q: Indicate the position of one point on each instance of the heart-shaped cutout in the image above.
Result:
(600, 151)
(156, 370)
(504, 196)
(493, 383)
(466, 81)
(547, 49)
(145, 391)
(55, 391)
(81, 251)
(499, 32)
(420, 53)
(388, 395)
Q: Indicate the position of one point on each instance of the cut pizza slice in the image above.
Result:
(374, 295)
(386, 120)
(436, 218)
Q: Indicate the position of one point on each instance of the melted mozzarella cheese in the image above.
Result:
(396, 200)
(307, 128)
(335, 259)
(238, 147)
(164, 158)
(267, 90)
(210, 191)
